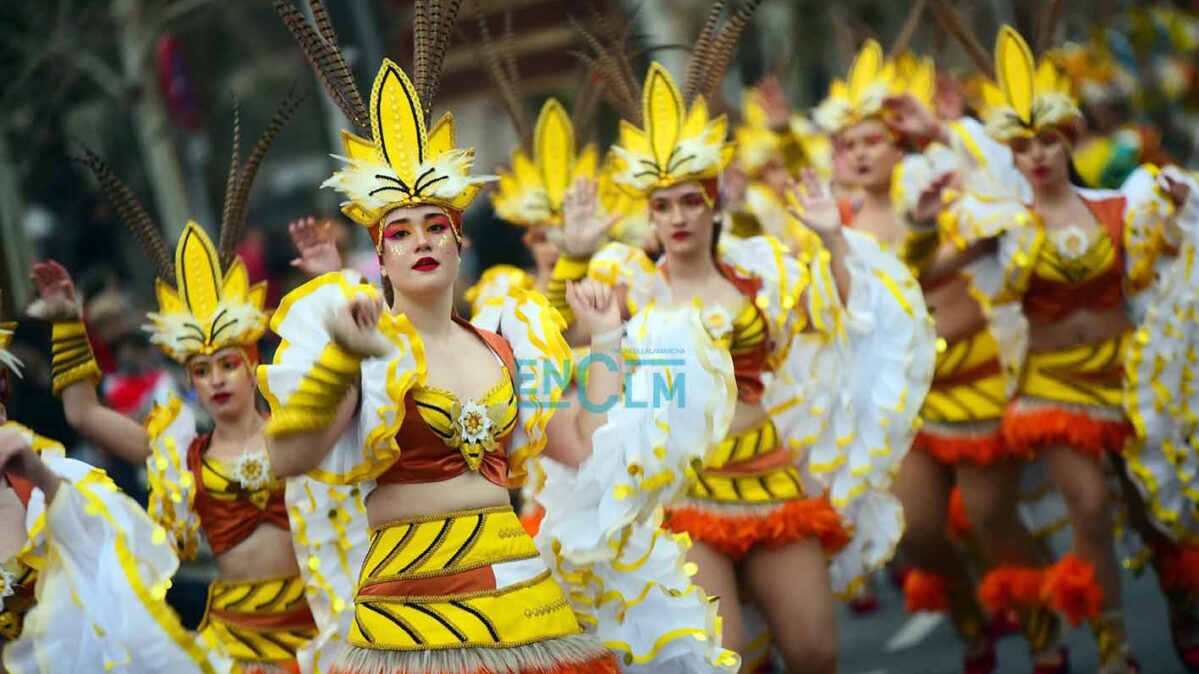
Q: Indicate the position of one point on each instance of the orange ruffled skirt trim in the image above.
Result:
(959, 527)
(952, 449)
(1068, 587)
(733, 535)
(1178, 568)
(1048, 425)
(925, 592)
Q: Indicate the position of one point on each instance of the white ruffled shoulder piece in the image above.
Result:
(368, 447)
(171, 428)
(330, 534)
(103, 572)
(893, 347)
(497, 281)
(784, 279)
(626, 577)
(1155, 229)
(991, 202)
(1161, 398)
(618, 264)
(534, 331)
(916, 172)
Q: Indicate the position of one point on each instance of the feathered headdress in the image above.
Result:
(757, 143)
(7, 360)
(666, 134)
(531, 192)
(205, 300)
(545, 164)
(1026, 97)
(872, 79)
(394, 160)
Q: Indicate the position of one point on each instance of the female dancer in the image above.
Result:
(1074, 258)
(218, 483)
(748, 510)
(83, 570)
(884, 108)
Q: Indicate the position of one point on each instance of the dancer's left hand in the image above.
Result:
(18, 458)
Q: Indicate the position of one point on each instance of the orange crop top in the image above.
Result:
(442, 437)
(1079, 269)
(234, 497)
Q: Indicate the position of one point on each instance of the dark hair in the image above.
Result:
(389, 293)
(717, 226)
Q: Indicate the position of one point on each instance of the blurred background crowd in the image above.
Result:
(152, 86)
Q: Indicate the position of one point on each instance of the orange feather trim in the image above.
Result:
(960, 527)
(531, 521)
(1070, 588)
(925, 592)
(983, 450)
(1030, 430)
(1006, 588)
(1178, 568)
(734, 535)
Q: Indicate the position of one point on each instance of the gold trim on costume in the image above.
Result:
(235, 606)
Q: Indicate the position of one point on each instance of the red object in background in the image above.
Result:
(129, 393)
(175, 83)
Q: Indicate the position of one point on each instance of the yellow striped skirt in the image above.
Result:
(261, 623)
(463, 592)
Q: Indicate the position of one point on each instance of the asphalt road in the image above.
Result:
(892, 641)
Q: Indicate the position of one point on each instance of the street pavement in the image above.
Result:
(892, 641)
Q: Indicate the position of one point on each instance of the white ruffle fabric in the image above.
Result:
(330, 534)
(497, 281)
(625, 575)
(103, 572)
(171, 428)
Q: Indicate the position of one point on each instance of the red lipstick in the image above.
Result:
(426, 264)
(680, 236)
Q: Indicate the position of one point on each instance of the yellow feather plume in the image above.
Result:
(865, 70)
(1015, 68)
(554, 150)
(662, 109)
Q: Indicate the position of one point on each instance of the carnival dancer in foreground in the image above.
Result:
(775, 495)
(218, 484)
(876, 116)
(83, 570)
(1075, 259)
(388, 397)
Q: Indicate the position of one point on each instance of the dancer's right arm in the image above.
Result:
(332, 396)
(74, 370)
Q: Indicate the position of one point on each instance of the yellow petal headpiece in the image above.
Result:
(1027, 97)
(677, 145)
(207, 310)
(530, 193)
(404, 165)
(7, 360)
(757, 143)
(871, 80)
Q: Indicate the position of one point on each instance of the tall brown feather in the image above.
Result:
(341, 71)
(953, 22)
(908, 30)
(1048, 20)
(508, 90)
(329, 65)
(625, 98)
(133, 215)
(234, 229)
(232, 185)
(699, 53)
(724, 46)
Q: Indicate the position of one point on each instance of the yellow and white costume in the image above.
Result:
(102, 569)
